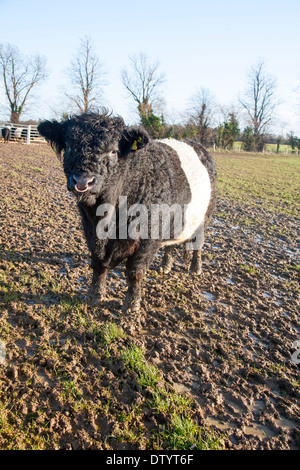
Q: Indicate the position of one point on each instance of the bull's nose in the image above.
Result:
(83, 184)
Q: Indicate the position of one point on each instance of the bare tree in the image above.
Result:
(201, 114)
(143, 82)
(259, 103)
(86, 74)
(20, 74)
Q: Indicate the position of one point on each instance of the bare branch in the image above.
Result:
(259, 101)
(143, 82)
(86, 75)
(201, 114)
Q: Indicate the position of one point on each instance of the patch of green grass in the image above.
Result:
(147, 373)
(37, 169)
(71, 389)
(165, 401)
(129, 427)
(110, 332)
(182, 432)
(20, 434)
(249, 269)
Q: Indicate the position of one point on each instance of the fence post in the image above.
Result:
(28, 134)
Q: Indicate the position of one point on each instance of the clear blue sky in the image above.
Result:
(199, 43)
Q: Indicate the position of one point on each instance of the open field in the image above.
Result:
(209, 362)
(270, 181)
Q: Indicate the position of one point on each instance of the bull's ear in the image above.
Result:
(133, 139)
(53, 132)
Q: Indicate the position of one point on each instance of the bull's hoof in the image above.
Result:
(132, 310)
(165, 269)
(167, 266)
(131, 305)
(197, 270)
(94, 299)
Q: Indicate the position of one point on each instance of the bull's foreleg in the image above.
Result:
(132, 301)
(97, 289)
(136, 268)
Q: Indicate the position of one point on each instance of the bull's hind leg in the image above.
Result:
(196, 263)
(168, 260)
(187, 258)
(195, 246)
(97, 290)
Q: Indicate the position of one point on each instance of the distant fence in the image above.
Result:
(26, 133)
(283, 149)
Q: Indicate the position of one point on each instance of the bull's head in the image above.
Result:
(91, 146)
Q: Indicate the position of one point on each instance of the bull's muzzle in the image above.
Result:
(83, 184)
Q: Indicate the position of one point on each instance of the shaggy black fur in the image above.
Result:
(116, 160)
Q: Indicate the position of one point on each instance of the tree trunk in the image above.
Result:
(15, 117)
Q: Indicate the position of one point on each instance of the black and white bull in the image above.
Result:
(121, 178)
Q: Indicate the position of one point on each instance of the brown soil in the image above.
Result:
(225, 338)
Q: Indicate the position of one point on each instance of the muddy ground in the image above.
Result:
(226, 338)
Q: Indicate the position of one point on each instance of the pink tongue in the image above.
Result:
(81, 190)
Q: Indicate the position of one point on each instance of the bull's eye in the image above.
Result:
(67, 148)
(114, 152)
